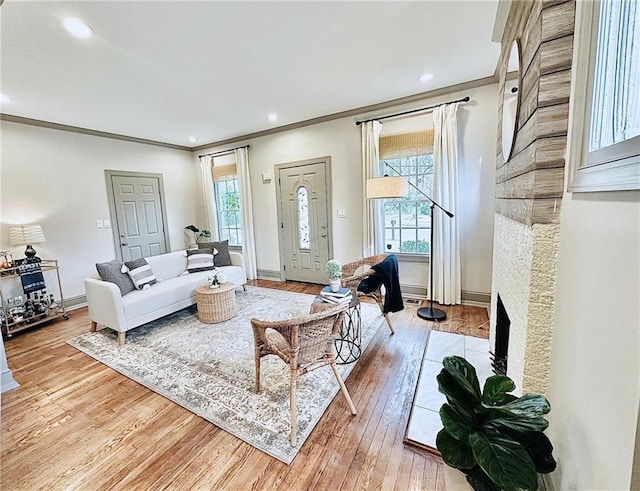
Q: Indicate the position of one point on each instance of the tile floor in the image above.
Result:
(424, 423)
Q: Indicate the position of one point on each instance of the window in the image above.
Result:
(303, 218)
(225, 189)
(605, 129)
(407, 221)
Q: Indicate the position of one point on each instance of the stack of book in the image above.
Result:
(341, 296)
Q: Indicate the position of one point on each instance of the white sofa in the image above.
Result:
(176, 291)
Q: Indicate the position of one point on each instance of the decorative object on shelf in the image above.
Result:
(493, 437)
(198, 235)
(6, 261)
(27, 235)
(216, 279)
(334, 270)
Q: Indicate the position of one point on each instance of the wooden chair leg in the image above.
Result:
(386, 316)
(343, 388)
(94, 326)
(121, 336)
(388, 319)
(257, 361)
(292, 407)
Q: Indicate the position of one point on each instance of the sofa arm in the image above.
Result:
(236, 259)
(105, 304)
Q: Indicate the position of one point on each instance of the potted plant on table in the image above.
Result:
(495, 438)
(334, 270)
(215, 279)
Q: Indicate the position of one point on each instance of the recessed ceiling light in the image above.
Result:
(193, 139)
(5, 99)
(78, 28)
(272, 117)
(425, 77)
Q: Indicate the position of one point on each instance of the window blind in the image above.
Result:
(406, 144)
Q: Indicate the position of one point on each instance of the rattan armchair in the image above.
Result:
(304, 343)
(353, 273)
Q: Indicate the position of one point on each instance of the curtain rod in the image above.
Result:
(222, 151)
(465, 99)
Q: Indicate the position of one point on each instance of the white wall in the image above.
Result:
(57, 178)
(595, 356)
(340, 139)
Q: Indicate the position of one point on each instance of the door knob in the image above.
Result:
(123, 244)
(323, 235)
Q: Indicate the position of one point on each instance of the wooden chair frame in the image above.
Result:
(304, 343)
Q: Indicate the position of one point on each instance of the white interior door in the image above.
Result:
(304, 221)
(139, 219)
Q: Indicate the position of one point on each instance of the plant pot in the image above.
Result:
(335, 285)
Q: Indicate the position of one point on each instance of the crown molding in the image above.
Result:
(87, 131)
(357, 112)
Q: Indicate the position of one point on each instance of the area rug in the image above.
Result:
(209, 368)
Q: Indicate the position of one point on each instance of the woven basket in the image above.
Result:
(216, 304)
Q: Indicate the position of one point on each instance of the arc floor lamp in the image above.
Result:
(398, 187)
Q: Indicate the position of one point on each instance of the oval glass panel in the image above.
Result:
(511, 101)
(303, 218)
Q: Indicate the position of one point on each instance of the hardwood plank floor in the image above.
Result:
(74, 423)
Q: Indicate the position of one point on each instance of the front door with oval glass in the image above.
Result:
(304, 221)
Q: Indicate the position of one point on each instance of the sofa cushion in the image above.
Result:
(200, 260)
(140, 273)
(168, 265)
(170, 292)
(222, 258)
(111, 272)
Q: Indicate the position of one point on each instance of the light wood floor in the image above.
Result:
(76, 424)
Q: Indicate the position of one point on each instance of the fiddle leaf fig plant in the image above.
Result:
(495, 438)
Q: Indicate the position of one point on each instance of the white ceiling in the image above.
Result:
(165, 71)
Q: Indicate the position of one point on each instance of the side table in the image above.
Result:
(216, 304)
(349, 341)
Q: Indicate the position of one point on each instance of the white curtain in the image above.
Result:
(209, 201)
(372, 226)
(246, 209)
(445, 252)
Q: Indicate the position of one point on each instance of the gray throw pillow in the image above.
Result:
(199, 260)
(222, 258)
(140, 273)
(112, 273)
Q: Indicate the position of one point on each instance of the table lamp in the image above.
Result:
(27, 235)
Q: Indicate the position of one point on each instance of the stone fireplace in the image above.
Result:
(530, 185)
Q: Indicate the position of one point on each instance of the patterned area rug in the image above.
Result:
(209, 368)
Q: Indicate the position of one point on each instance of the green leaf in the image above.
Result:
(539, 448)
(458, 395)
(495, 390)
(517, 423)
(464, 373)
(504, 460)
(455, 423)
(479, 481)
(454, 452)
(528, 405)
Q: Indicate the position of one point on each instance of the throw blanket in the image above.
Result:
(386, 274)
(31, 277)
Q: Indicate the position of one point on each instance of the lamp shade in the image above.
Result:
(26, 234)
(387, 187)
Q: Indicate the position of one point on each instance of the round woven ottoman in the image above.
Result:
(216, 304)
